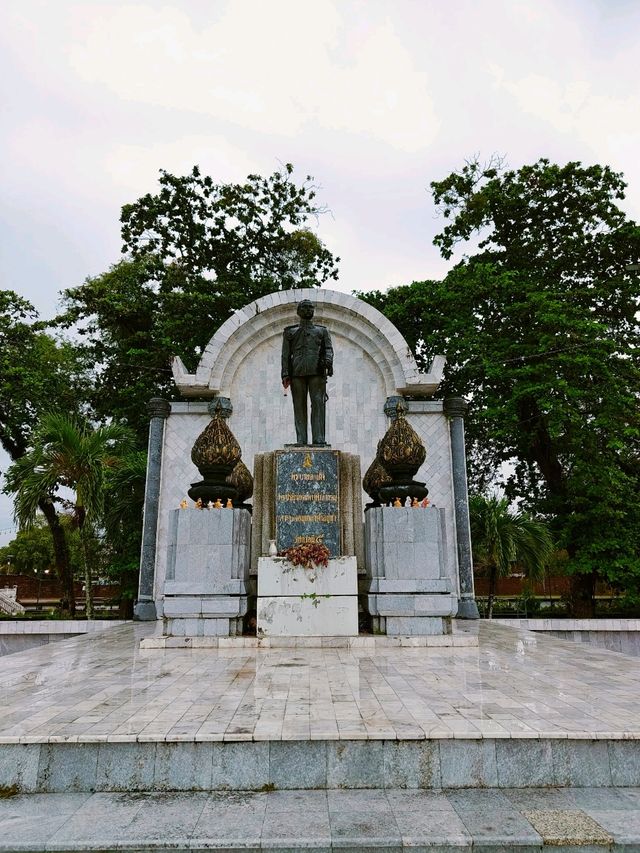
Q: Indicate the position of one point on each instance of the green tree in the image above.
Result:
(539, 327)
(36, 371)
(195, 252)
(503, 539)
(31, 551)
(68, 452)
(122, 519)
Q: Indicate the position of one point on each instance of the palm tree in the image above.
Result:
(502, 538)
(68, 451)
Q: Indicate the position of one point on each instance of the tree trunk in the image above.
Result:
(88, 591)
(493, 573)
(61, 555)
(582, 603)
(541, 449)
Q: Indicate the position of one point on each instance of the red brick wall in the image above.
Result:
(47, 590)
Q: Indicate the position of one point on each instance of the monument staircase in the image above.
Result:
(518, 743)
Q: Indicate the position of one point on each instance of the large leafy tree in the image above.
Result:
(539, 326)
(503, 538)
(122, 521)
(37, 371)
(68, 452)
(195, 252)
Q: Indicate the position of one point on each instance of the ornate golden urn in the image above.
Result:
(399, 457)
(217, 455)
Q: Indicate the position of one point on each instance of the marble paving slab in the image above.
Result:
(513, 685)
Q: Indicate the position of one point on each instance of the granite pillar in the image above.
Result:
(455, 408)
(145, 608)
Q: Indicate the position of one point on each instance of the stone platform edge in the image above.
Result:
(355, 643)
(323, 764)
(588, 820)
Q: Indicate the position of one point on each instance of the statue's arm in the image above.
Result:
(286, 354)
(328, 353)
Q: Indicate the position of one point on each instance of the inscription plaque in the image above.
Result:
(307, 498)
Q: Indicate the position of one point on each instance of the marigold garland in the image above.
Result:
(308, 555)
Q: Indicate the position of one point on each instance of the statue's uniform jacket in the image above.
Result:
(307, 358)
(306, 351)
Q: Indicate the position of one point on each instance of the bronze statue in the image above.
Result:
(307, 360)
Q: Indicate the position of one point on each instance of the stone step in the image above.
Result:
(124, 764)
(489, 820)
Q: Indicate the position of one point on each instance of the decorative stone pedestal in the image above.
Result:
(205, 592)
(408, 592)
(298, 602)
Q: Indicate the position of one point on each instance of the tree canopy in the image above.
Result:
(195, 252)
(35, 370)
(539, 327)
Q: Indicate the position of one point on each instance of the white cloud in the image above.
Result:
(269, 67)
(607, 125)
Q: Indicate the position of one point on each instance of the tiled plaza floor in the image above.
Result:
(103, 687)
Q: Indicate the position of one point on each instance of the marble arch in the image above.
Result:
(345, 315)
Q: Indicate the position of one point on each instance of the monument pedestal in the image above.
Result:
(205, 591)
(407, 590)
(294, 601)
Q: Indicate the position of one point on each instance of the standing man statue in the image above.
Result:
(307, 360)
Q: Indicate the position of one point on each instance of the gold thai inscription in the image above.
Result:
(307, 499)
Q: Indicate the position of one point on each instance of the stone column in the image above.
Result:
(145, 608)
(455, 408)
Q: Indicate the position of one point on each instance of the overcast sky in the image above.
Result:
(375, 99)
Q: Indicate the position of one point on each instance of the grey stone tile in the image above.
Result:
(19, 765)
(362, 819)
(231, 818)
(183, 766)
(411, 764)
(29, 833)
(42, 806)
(632, 794)
(102, 821)
(491, 819)
(524, 762)
(624, 760)
(622, 824)
(288, 801)
(355, 764)
(297, 821)
(240, 766)
(468, 763)
(603, 799)
(513, 847)
(427, 818)
(540, 798)
(298, 764)
(581, 762)
(67, 767)
(126, 766)
(170, 817)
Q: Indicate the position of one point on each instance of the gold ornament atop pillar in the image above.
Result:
(400, 454)
(241, 478)
(375, 477)
(217, 454)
